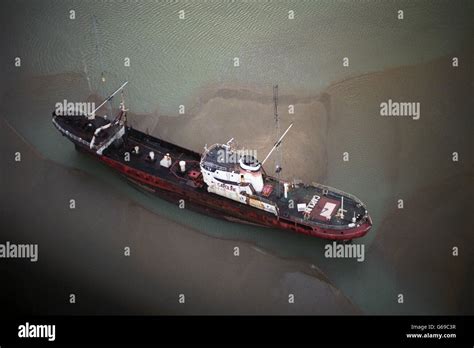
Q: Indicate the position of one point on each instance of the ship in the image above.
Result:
(221, 181)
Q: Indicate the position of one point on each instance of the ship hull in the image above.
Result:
(201, 201)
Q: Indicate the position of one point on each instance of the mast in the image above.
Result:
(101, 89)
(97, 48)
(277, 132)
(109, 98)
(122, 116)
(341, 210)
(278, 143)
(86, 72)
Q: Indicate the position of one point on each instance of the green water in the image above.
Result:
(171, 58)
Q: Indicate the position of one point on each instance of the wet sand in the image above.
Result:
(81, 252)
(245, 113)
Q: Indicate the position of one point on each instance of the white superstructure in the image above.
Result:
(234, 176)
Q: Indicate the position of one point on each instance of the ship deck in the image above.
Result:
(324, 212)
(81, 127)
(160, 148)
(325, 206)
(321, 203)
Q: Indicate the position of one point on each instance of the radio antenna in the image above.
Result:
(277, 133)
(277, 144)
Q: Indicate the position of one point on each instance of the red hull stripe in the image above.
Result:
(234, 209)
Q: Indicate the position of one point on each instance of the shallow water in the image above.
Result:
(171, 58)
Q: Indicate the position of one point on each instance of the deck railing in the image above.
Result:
(339, 192)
